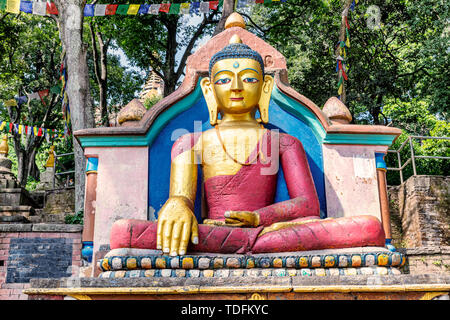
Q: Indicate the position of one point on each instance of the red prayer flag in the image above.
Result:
(340, 64)
(259, 1)
(10, 126)
(111, 9)
(346, 22)
(344, 75)
(213, 5)
(51, 8)
(40, 132)
(165, 7)
(42, 94)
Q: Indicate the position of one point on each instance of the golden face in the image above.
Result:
(237, 85)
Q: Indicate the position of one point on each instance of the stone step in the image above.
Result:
(7, 184)
(15, 197)
(24, 211)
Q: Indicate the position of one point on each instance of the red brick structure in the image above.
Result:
(30, 251)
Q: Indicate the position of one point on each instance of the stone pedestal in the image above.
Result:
(46, 179)
(129, 263)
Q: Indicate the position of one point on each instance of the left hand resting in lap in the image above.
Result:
(241, 219)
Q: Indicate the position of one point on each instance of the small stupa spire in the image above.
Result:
(235, 20)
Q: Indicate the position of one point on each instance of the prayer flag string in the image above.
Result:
(341, 60)
(101, 10)
(31, 130)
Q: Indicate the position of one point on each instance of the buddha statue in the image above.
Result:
(239, 160)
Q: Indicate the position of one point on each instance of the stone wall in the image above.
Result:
(420, 221)
(420, 210)
(30, 251)
(425, 260)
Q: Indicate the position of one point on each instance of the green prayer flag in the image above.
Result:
(340, 82)
(174, 8)
(267, 1)
(122, 9)
(55, 89)
(2, 4)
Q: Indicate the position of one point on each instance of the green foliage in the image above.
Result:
(416, 120)
(150, 102)
(402, 52)
(398, 65)
(76, 218)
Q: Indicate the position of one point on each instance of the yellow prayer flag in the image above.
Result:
(341, 87)
(356, 1)
(2, 125)
(20, 128)
(35, 131)
(347, 43)
(13, 6)
(133, 9)
(184, 8)
(11, 103)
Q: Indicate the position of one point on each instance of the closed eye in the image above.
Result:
(251, 80)
(223, 81)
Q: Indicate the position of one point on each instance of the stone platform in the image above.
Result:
(357, 287)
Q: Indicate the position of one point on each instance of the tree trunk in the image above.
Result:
(101, 72)
(70, 23)
(228, 8)
(170, 80)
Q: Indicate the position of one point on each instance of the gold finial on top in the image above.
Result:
(235, 20)
(4, 148)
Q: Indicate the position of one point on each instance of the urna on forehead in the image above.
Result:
(236, 50)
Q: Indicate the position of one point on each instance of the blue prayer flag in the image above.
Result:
(89, 10)
(194, 9)
(26, 6)
(144, 9)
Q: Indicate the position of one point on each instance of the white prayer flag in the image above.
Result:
(154, 9)
(99, 9)
(32, 96)
(40, 8)
(204, 7)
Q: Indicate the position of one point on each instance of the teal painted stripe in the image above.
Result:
(369, 139)
(113, 141)
(300, 111)
(149, 137)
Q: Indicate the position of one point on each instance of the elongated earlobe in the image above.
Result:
(210, 98)
(264, 100)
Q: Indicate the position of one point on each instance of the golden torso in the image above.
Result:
(226, 149)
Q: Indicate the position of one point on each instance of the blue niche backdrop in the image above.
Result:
(186, 115)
